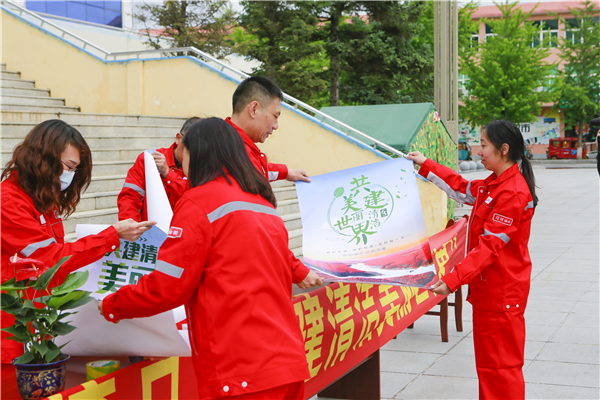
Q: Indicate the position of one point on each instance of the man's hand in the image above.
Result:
(312, 279)
(297, 175)
(161, 163)
(441, 288)
(130, 230)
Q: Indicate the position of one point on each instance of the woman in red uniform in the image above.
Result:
(497, 266)
(227, 260)
(42, 183)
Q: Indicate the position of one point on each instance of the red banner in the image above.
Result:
(342, 324)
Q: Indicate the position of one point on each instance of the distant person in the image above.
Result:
(41, 185)
(497, 266)
(596, 121)
(132, 199)
(256, 110)
(231, 267)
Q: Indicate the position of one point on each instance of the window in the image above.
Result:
(488, 31)
(555, 143)
(574, 24)
(565, 144)
(98, 12)
(462, 82)
(548, 30)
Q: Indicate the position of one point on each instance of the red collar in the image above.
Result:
(247, 141)
(170, 156)
(493, 180)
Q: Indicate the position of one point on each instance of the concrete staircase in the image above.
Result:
(115, 141)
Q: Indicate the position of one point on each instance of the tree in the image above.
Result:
(202, 24)
(283, 43)
(577, 85)
(381, 60)
(506, 71)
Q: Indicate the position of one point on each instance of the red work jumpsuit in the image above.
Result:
(273, 172)
(498, 271)
(227, 260)
(29, 233)
(132, 199)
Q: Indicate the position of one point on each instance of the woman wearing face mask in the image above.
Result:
(497, 266)
(42, 183)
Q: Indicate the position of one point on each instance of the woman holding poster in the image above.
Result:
(227, 260)
(497, 266)
(41, 184)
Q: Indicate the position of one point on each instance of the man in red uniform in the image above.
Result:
(256, 109)
(132, 199)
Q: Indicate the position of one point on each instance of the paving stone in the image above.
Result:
(406, 362)
(439, 387)
(549, 391)
(561, 373)
(568, 352)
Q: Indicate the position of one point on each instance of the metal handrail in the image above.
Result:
(297, 104)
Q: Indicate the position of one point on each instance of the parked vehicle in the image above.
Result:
(564, 148)
(464, 150)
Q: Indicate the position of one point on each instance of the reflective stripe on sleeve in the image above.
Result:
(138, 189)
(529, 205)
(239, 206)
(454, 194)
(273, 175)
(502, 236)
(169, 269)
(30, 248)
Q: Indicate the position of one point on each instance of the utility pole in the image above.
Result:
(445, 47)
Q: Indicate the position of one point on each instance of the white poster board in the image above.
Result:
(153, 336)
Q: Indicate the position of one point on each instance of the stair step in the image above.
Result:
(282, 183)
(37, 108)
(98, 201)
(17, 83)
(292, 221)
(2, 67)
(295, 238)
(77, 118)
(288, 207)
(297, 252)
(106, 184)
(31, 101)
(10, 75)
(28, 92)
(285, 193)
(98, 131)
(99, 143)
(104, 168)
(106, 216)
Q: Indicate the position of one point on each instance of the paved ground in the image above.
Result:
(562, 347)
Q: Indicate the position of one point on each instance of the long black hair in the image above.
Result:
(215, 147)
(503, 131)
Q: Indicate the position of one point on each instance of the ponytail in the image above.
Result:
(503, 131)
(527, 172)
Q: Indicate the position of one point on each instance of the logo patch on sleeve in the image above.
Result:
(502, 219)
(488, 200)
(175, 232)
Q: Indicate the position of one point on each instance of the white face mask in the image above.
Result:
(65, 179)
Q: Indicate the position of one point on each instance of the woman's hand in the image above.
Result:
(130, 230)
(416, 157)
(441, 288)
(312, 279)
(101, 313)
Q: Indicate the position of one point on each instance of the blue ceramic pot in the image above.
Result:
(38, 381)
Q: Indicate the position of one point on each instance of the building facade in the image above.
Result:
(549, 123)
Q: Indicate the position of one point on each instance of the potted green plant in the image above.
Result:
(40, 314)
